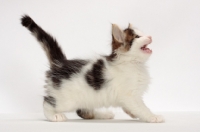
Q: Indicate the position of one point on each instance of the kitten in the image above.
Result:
(117, 80)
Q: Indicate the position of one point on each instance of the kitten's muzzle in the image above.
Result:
(144, 48)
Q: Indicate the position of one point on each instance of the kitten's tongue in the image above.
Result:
(146, 50)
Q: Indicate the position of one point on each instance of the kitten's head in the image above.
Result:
(130, 43)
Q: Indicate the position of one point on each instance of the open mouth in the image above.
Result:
(146, 49)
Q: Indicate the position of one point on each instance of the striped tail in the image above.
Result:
(49, 44)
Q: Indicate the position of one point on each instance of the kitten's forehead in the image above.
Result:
(131, 31)
(129, 35)
(138, 32)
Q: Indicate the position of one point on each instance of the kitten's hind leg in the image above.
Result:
(51, 114)
(94, 114)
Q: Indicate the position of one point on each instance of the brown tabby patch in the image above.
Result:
(129, 37)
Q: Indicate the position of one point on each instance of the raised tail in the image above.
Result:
(49, 44)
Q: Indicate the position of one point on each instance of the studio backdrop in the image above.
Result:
(83, 29)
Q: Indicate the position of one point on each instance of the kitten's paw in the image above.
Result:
(108, 115)
(156, 119)
(104, 115)
(59, 118)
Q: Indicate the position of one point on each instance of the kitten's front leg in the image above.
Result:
(129, 113)
(137, 108)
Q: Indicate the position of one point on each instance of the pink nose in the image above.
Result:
(149, 37)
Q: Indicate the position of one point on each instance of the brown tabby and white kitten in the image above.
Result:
(117, 80)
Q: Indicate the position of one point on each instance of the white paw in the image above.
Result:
(104, 115)
(156, 119)
(109, 115)
(59, 118)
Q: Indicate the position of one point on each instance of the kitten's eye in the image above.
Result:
(137, 36)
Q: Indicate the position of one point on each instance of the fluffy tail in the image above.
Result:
(49, 44)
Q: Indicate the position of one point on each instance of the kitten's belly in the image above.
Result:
(78, 94)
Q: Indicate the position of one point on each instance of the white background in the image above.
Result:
(83, 29)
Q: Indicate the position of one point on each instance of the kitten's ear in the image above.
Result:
(117, 33)
(130, 26)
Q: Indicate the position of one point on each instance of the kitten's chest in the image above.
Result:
(131, 76)
(136, 76)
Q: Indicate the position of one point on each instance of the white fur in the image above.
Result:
(127, 79)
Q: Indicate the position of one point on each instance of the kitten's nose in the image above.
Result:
(149, 37)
